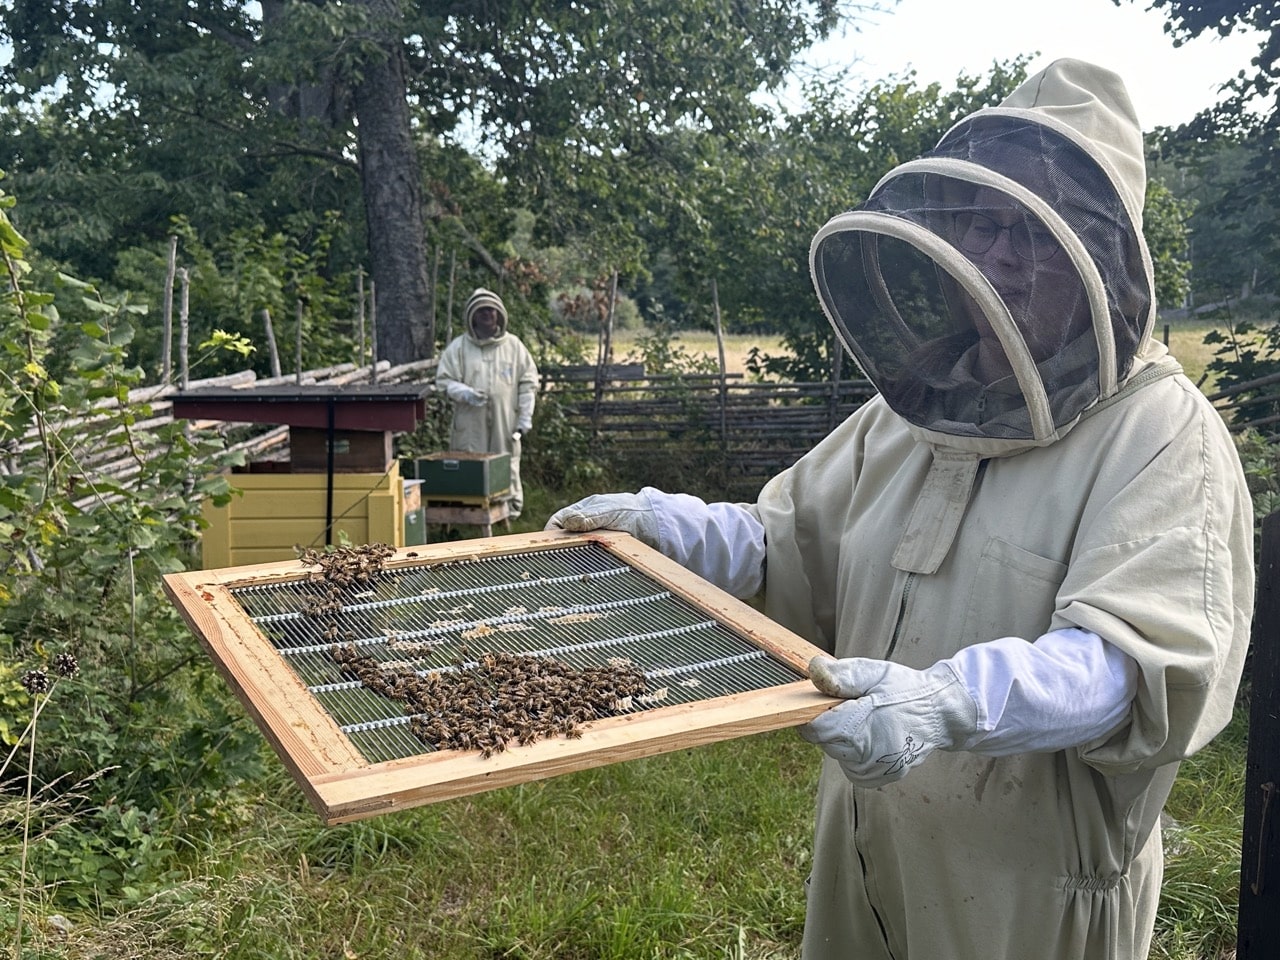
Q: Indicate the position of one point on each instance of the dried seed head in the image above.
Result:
(66, 665)
(36, 681)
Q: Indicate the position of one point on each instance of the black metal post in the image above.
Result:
(1258, 927)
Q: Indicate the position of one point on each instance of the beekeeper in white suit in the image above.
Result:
(1030, 556)
(492, 380)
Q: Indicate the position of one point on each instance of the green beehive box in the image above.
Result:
(456, 474)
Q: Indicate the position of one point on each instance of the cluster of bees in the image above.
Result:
(501, 700)
(341, 571)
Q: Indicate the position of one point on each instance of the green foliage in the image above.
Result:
(242, 117)
(15, 705)
(585, 309)
(87, 541)
(766, 195)
(1244, 354)
(1164, 225)
(1237, 111)
(1232, 240)
(1260, 457)
(662, 355)
(1227, 155)
(231, 283)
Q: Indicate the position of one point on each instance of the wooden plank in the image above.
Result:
(215, 542)
(471, 515)
(303, 735)
(298, 504)
(285, 532)
(385, 517)
(361, 482)
(252, 554)
(401, 784)
(456, 500)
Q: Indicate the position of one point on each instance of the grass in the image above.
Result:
(695, 854)
(699, 853)
(1200, 893)
(1186, 343)
(701, 343)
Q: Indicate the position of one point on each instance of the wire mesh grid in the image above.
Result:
(578, 604)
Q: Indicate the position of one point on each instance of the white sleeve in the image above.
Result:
(720, 542)
(1065, 689)
(524, 407)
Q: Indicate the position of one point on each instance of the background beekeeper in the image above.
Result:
(492, 380)
(1030, 556)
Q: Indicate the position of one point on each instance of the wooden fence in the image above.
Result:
(727, 433)
(1254, 404)
(731, 433)
(738, 432)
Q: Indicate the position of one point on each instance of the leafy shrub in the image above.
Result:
(1260, 458)
(86, 542)
(1246, 353)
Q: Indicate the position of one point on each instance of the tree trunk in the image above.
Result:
(392, 187)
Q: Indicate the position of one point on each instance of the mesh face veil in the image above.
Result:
(995, 288)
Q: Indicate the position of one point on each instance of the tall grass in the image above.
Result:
(1200, 893)
(695, 854)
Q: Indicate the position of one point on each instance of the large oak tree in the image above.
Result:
(120, 115)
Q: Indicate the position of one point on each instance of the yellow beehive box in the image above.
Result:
(275, 512)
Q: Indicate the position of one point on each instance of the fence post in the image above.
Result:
(724, 384)
(431, 312)
(606, 348)
(184, 330)
(448, 316)
(297, 359)
(166, 346)
(360, 315)
(271, 342)
(1258, 922)
(373, 331)
(837, 365)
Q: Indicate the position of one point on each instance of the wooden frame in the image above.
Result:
(343, 786)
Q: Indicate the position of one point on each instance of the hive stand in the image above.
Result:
(482, 512)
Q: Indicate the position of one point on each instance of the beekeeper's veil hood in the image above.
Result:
(479, 299)
(998, 287)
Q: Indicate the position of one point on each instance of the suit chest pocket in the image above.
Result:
(1013, 593)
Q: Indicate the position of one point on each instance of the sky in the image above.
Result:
(943, 38)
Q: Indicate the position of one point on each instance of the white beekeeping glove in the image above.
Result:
(720, 542)
(1064, 690)
(627, 512)
(894, 718)
(459, 392)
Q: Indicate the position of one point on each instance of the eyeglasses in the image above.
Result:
(977, 233)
